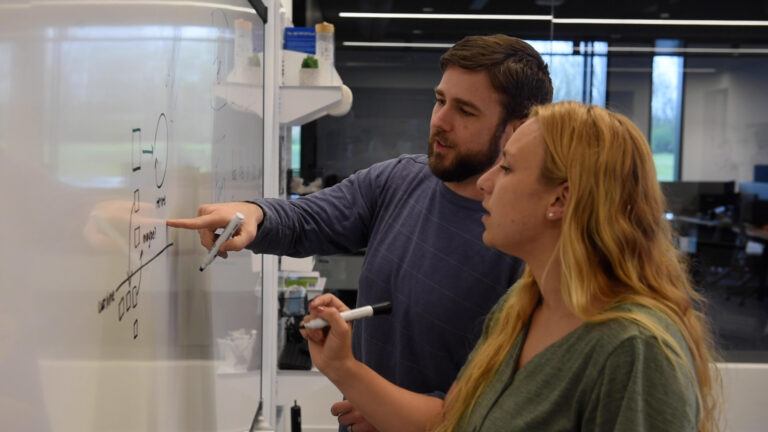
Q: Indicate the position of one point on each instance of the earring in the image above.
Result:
(550, 215)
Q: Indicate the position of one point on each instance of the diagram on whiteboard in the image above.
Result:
(146, 231)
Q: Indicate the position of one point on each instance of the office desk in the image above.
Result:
(758, 234)
(699, 221)
(723, 234)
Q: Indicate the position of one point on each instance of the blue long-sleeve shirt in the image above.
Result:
(424, 253)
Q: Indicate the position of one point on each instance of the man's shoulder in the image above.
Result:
(418, 159)
(416, 162)
(407, 168)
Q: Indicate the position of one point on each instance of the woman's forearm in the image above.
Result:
(385, 405)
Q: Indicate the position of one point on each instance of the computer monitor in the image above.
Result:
(714, 206)
(752, 209)
(747, 207)
(698, 198)
(760, 189)
(761, 173)
(682, 197)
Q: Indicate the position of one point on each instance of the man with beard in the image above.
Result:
(418, 217)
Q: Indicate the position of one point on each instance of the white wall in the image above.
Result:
(744, 391)
(725, 129)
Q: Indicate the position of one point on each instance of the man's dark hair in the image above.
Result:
(516, 70)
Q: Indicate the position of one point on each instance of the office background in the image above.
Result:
(696, 88)
(84, 81)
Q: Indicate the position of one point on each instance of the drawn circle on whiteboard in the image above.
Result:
(160, 150)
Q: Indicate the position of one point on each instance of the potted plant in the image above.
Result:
(309, 72)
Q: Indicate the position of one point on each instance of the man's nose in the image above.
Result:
(441, 120)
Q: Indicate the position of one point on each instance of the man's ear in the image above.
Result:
(556, 208)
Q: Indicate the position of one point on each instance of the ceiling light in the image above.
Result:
(445, 16)
(597, 21)
(672, 22)
(673, 51)
(575, 50)
(648, 70)
(397, 44)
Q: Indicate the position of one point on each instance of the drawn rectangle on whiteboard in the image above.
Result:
(136, 149)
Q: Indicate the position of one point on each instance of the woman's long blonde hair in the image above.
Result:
(616, 247)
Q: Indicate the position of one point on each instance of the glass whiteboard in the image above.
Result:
(114, 116)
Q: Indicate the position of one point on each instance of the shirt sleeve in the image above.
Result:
(641, 389)
(338, 219)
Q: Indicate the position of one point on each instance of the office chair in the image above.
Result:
(721, 261)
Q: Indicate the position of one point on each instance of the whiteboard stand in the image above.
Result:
(272, 50)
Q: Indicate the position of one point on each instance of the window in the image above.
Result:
(666, 111)
(578, 72)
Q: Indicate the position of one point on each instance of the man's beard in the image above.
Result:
(463, 165)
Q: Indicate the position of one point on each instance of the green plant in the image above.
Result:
(309, 62)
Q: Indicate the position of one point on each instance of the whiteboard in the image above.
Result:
(114, 116)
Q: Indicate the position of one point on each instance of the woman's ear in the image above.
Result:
(556, 209)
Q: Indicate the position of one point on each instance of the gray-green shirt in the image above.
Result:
(612, 376)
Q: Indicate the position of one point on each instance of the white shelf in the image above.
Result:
(301, 104)
(298, 105)
(242, 97)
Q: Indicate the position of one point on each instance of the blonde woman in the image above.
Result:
(602, 333)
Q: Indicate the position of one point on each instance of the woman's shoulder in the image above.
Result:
(635, 324)
(656, 388)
